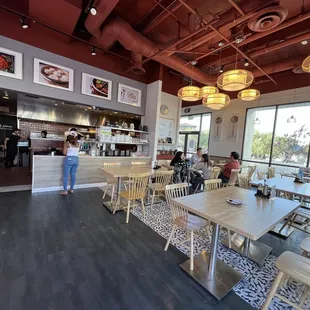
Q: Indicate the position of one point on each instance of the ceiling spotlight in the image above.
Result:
(93, 10)
(221, 70)
(24, 25)
(93, 51)
(246, 63)
(6, 95)
(304, 42)
(62, 102)
(220, 44)
(193, 62)
(56, 104)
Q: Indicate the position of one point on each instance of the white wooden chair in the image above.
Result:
(233, 178)
(137, 188)
(271, 172)
(293, 266)
(111, 181)
(181, 217)
(243, 181)
(162, 178)
(305, 246)
(138, 163)
(215, 172)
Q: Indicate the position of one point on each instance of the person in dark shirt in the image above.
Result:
(43, 134)
(10, 145)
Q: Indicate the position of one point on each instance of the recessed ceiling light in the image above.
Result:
(89, 108)
(86, 109)
(304, 42)
(93, 11)
(56, 104)
(93, 51)
(62, 102)
(6, 95)
(24, 25)
(115, 112)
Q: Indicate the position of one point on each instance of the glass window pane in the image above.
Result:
(292, 135)
(205, 131)
(181, 143)
(258, 134)
(192, 143)
(190, 123)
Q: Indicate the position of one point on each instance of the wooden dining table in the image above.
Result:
(286, 185)
(119, 173)
(254, 218)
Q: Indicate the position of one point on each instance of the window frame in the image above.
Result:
(195, 132)
(270, 163)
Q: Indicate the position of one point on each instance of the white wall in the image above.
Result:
(238, 107)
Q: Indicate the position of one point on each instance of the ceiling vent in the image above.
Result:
(267, 18)
(137, 69)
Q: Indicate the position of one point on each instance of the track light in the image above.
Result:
(93, 51)
(24, 25)
(246, 63)
(304, 42)
(6, 95)
(221, 70)
(93, 10)
(221, 44)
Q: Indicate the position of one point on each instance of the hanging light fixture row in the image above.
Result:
(190, 93)
(249, 94)
(216, 101)
(235, 80)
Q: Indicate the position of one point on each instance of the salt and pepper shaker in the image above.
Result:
(265, 190)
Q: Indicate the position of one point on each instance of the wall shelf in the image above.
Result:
(128, 143)
(128, 130)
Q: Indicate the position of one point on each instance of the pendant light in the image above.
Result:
(216, 101)
(235, 80)
(208, 90)
(256, 121)
(249, 94)
(306, 64)
(291, 119)
(190, 92)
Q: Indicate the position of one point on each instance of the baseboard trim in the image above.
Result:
(58, 188)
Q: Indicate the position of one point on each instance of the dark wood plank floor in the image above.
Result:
(71, 253)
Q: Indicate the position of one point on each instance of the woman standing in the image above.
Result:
(71, 163)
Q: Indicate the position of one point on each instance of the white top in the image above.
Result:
(205, 169)
(72, 151)
(253, 219)
(195, 159)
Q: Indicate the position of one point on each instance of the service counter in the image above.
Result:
(47, 171)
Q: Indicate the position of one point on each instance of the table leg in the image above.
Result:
(214, 275)
(247, 243)
(111, 206)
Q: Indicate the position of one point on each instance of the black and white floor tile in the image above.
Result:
(257, 279)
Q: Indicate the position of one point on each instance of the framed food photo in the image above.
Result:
(52, 75)
(129, 95)
(11, 63)
(96, 86)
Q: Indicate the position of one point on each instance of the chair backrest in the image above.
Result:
(243, 181)
(212, 184)
(162, 178)
(137, 185)
(233, 177)
(109, 178)
(138, 163)
(271, 172)
(215, 172)
(261, 175)
(223, 161)
(251, 172)
(175, 191)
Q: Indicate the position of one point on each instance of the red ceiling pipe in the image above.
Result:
(93, 22)
(236, 6)
(120, 30)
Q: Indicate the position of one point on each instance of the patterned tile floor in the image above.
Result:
(257, 279)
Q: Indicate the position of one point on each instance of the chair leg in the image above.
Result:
(208, 232)
(117, 204)
(105, 190)
(192, 251)
(112, 194)
(142, 206)
(169, 239)
(128, 211)
(229, 238)
(153, 196)
(273, 290)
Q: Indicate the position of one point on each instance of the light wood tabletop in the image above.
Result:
(252, 220)
(287, 185)
(122, 172)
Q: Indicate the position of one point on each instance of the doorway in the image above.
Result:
(188, 143)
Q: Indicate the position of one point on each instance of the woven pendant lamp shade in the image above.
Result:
(208, 90)
(235, 80)
(306, 64)
(189, 93)
(249, 94)
(216, 101)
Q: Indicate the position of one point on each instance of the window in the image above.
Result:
(278, 136)
(194, 133)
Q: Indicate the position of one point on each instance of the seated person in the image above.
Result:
(196, 157)
(233, 164)
(179, 164)
(206, 167)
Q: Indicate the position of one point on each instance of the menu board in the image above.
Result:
(166, 128)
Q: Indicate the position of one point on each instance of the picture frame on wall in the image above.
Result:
(11, 63)
(129, 95)
(96, 86)
(233, 126)
(217, 127)
(52, 75)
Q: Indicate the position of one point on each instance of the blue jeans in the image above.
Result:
(70, 167)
